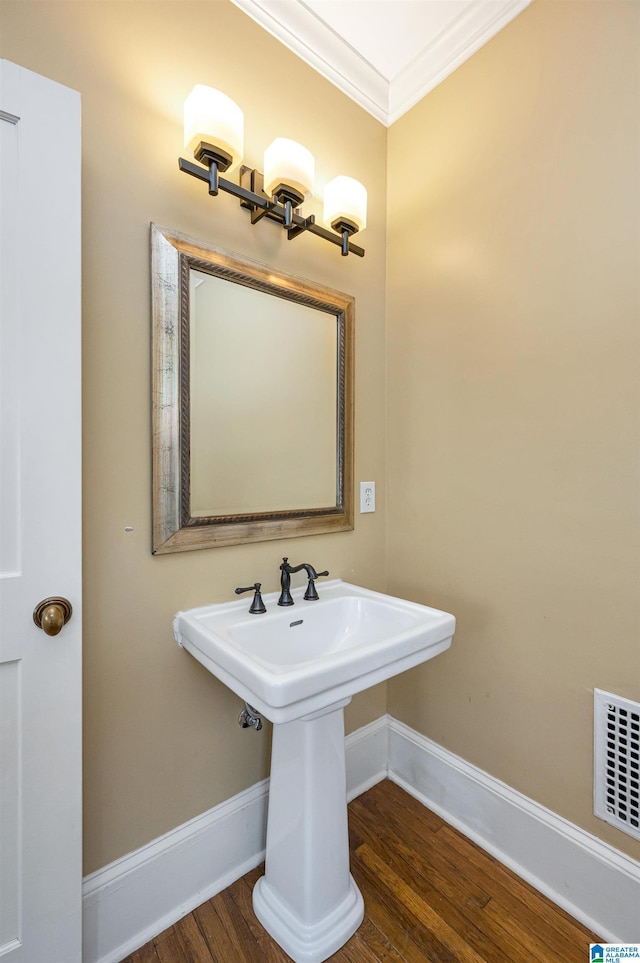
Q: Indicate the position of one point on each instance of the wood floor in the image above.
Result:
(429, 894)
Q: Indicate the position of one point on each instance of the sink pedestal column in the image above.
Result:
(307, 899)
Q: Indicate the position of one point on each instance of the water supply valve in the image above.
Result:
(250, 717)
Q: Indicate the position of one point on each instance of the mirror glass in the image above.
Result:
(252, 400)
(263, 401)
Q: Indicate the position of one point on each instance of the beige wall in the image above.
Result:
(512, 346)
(513, 337)
(162, 742)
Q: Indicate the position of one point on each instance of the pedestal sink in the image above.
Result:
(299, 667)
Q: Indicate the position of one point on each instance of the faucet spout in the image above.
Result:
(286, 571)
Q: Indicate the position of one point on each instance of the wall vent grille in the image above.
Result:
(616, 791)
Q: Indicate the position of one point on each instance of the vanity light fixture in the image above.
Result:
(214, 133)
(345, 207)
(289, 170)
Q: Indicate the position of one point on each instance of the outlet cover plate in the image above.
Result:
(367, 497)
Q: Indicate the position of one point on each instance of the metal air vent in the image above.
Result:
(616, 791)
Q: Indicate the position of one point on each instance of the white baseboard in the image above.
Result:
(595, 883)
(130, 901)
(366, 752)
(133, 899)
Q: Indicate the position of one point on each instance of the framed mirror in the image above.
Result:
(252, 400)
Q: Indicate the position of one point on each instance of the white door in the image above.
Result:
(40, 674)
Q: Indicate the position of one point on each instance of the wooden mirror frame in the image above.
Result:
(174, 529)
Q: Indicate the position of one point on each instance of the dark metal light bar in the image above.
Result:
(260, 204)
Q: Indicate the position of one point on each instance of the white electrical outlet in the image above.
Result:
(367, 497)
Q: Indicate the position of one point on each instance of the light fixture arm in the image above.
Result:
(261, 205)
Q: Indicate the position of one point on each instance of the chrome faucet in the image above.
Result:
(286, 571)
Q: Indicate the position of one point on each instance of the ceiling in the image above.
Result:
(384, 54)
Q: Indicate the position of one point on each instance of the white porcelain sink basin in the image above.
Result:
(297, 660)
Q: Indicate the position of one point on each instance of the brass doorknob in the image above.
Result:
(51, 614)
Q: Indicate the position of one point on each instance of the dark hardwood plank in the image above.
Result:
(169, 947)
(388, 799)
(390, 918)
(443, 886)
(252, 877)
(194, 945)
(269, 951)
(354, 951)
(401, 840)
(217, 927)
(146, 954)
(454, 863)
(539, 945)
(420, 910)
(219, 941)
(377, 944)
(431, 896)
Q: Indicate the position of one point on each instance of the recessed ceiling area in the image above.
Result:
(384, 54)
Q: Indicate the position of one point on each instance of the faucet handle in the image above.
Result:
(311, 595)
(257, 606)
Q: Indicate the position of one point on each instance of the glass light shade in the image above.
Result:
(287, 162)
(345, 199)
(213, 118)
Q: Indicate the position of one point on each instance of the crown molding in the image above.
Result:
(299, 29)
(476, 25)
